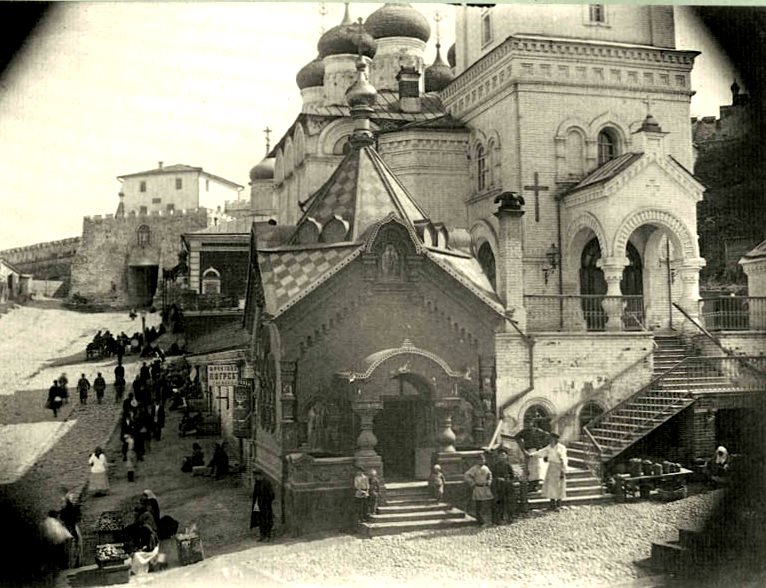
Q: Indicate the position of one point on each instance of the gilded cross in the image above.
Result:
(537, 188)
(438, 18)
(267, 132)
(322, 14)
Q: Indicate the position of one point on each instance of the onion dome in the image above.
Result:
(346, 38)
(451, 56)
(362, 93)
(311, 75)
(438, 75)
(263, 171)
(398, 20)
(651, 125)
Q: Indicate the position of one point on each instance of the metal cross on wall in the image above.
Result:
(537, 188)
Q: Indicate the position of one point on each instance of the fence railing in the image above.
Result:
(191, 301)
(734, 313)
(583, 313)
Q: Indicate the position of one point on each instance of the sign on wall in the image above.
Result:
(222, 375)
(242, 409)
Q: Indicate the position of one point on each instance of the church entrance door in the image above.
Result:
(397, 428)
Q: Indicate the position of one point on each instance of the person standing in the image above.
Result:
(83, 385)
(54, 399)
(479, 479)
(555, 483)
(71, 515)
(99, 385)
(63, 381)
(436, 482)
(361, 493)
(98, 483)
(130, 457)
(158, 418)
(119, 384)
(372, 501)
(261, 513)
(502, 484)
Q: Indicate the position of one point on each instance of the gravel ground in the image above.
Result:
(584, 546)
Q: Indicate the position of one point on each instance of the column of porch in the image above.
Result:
(365, 456)
(613, 304)
(689, 272)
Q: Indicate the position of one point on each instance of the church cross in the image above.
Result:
(322, 14)
(537, 188)
(267, 132)
(438, 18)
(653, 186)
(648, 102)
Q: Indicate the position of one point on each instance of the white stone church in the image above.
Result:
(583, 111)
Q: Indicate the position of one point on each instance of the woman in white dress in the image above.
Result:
(555, 484)
(99, 480)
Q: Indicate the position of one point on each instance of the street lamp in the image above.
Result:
(552, 258)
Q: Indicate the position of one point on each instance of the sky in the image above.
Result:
(107, 89)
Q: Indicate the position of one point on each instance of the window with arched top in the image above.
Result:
(211, 281)
(481, 168)
(575, 154)
(486, 260)
(143, 236)
(608, 146)
(590, 411)
(537, 417)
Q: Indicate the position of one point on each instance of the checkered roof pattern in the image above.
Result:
(289, 275)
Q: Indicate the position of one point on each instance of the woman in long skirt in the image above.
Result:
(99, 481)
(555, 484)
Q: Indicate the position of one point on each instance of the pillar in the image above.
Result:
(689, 273)
(613, 304)
(510, 270)
(366, 456)
(446, 436)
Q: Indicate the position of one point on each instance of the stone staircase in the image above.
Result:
(582, 488)
(410, 507)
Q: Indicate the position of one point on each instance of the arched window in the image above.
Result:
(341, 146)
(607, 146)
(481, 168)
(589, 412)
(211, 281)
(487, 262)
(575, 151)
(143, 236)
(537, 416)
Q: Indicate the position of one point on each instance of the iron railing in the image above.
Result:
(658, 400)
(583, 313)
(734, 313)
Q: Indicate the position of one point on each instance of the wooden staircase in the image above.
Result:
(410, 507)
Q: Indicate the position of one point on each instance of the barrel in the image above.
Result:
(666, 466)
(656, 469)
(634, 467)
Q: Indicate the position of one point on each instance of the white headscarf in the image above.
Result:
(721, 455)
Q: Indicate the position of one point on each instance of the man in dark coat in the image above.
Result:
(261, 513)
(54, 399)
(502, 482)
(99, 385)
(83, 385)
(144, 372)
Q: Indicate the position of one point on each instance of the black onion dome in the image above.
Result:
(438, 75)
(346, 38)
(263, 171)
(398, 20)
(311, 75)
(451, 56)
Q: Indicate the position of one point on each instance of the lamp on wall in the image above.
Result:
(552, 259)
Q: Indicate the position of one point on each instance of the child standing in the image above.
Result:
(361, 493)
(436, 482)
(372, 501)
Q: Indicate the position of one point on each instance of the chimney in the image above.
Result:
(409, 89)
(159, 164)
(510, 272)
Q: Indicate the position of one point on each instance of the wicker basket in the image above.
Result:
(189, 548)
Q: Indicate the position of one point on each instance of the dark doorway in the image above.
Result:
(593, 287)
(737, 429)
(397, 429)
(487, 262)
(142, 284)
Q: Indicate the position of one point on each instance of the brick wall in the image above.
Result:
(742, 343)
(569, 368)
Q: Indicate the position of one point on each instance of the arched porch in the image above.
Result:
(404, 400)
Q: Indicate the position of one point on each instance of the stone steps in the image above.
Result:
(445, 512)
(376, 529)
